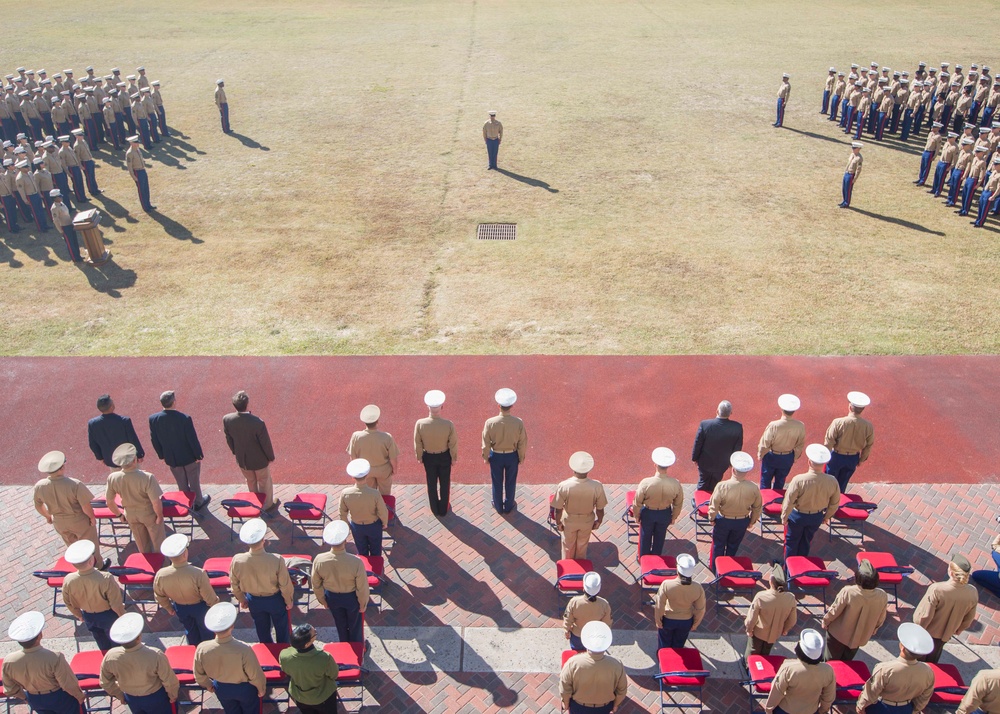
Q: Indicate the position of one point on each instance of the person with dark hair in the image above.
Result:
(109, 431)
(904, 685)
(772, 615)
(679, 605)
(855, 615)
(176, 442)
(804, 684)
(250, 443)
(312, 673)
(585, 608)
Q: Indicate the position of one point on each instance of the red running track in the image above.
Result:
(935, 417)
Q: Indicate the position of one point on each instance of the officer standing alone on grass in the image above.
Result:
(223, 105)
(852, 173)
(493, 134)
(784, 92)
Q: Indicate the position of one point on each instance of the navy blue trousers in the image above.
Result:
(925, 167)
(346, 615)
(368, 538)
(575, 708)
(10, 213)
(156, 703)
(38, 211)
(673, 633)
(192, 618)
(940, 172)
(99, 624)
(492, 150)
(780, 120)
(774, 469)
(239, 698)
(968, 190)
(224, 115)
(848, 188)
(57, 702)
(77, 174)
(503, 474)
(270, 611)
(985, 199)
(881, 707)
(907, 125)
(144, 134)
(842, 467)
(727, 534)
(72, 243)
(653, 530)
(834, 106)
(142, 185)
(799, 532)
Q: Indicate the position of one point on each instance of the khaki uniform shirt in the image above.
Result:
(948, 153)
(43, 179)
(220, 97)
(149, 105)
(260, 574)
(139, 110)
(364, 503)
(964, 160)
(736, 499)
(226, 659)
(83, 110)
(934, 141)
(60, 218)
(580, 610)
(856, 615)
(138, 489)
(784, 91)
(977, 169)
(579, 499)
(377, 446)
(916, 99)
(504, 433)
(68, 156)
(183, 584)
(865, 104)
(137, 671)
(830, 81)
(984, 693)
(92, 592)
(435, 435)
(840, 88)
(772, 614)
(854, 165)
(53, 163)
(851, 435)
(61, 495)
(82, 150)
(133, 160)
(493, 129)
(902, 96)
(800, 688)
(340, 572)
(38, 671)
(811, 492)
(59, 115)
(593, 679)
(782, 436)
(109, 115)
(26, 185)
(947, 609)
(994, 183)
(677, 601)
(659, 492)
(899, 681)
(963, 104)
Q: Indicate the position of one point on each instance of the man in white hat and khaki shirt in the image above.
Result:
(781, 444)
(593, 682)
(579, 505)
(849, 440)
(904, 685)
(657, 504)
(366, 508)
(803, 684)
(94, 597)
(141, 498)
(585, 608)
(810, 501)
(340, 583)
(261, 584)
(436, 445)
(65, 503)
(183, 589)
(734, 508)
(505, 443)
(137, 674)
(38, 674)
(378, 448)
(228, 668)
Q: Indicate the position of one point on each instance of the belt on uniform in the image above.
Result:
(894, 704)
(808, 513)
(734, 518)
(781, 453)
(495, 451)
(358, 523)
(582, 704)
(42, 694)
(438, 453)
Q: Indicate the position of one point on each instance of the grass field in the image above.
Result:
(658, 210)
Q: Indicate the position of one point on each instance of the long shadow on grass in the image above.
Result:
(8, 256)
(248, 142)
(174, 229)
(897, 221)
(527, 180)
(813, 135)
(109, 278)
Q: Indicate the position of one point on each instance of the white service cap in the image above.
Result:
(253, 531)
(596, 636)
(811, 644)
(685, 565)
(581, 462)
(663, 457)
(370, 414)
(174, 545)
(505, 397)
(434, 398)
(915, 638)
(336, 532)
(818, 454)
(592, 583)
(358, 468)
(221, 616)
(82, 551)
(126, 628)
(858, 399)
(789, 402)
(52, 461)
(741, 461)
(26, 626)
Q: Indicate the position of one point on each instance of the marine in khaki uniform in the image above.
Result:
(436, 446)
(804, 684)
(943, 168)
(988, 198)
(366, 508)
(64, 502)
(784, 93)
(831, 80)
(856, 614)
(935, 139)
(852, 173)
(983, 694)
(222, 104)
(261, 584)
(183, 589)
(227, 667)
(734, 508)
(838, 92)
(136, 674)
(658, 502)
(340, 583)
(505, 444)
(593, 682)
(492, 135)
(810, 501)
(947, 609)
(772, 615)
(849, 439)
(140, 496)
(904, 685)
(39, 675)
(679, 605)
(378, 448)
(579, 505)
(781, 444)
(137, 170)
(94, 597)
(585, 608)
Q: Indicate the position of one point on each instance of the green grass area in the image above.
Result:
(659, 211)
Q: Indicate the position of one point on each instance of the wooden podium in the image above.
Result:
(86, 226)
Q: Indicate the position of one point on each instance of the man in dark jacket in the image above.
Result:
(248, 439)
(109, 431)
(716, 441)
(176, 442)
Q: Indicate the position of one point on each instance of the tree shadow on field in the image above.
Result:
(897, 221)
(248, 142)
(108, 278)
(525, 179)
(813, 135)
(174, 229)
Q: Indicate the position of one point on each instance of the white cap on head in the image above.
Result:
(221, 616)
(26, 626)
(505, 397)
(54, 460)
(741, 461)
(788, 402)
(915, 638)
(833, 69)
(663, 457)
(581, 462)
(856, 145)
(218, 81)
(685, 565)
(592, 583)
(82, 551)
(253, 531)
(811, 644)
(596, 636)
(336, 533)
(126, 628)
(370, 414)
(785, 76)
(358, 468)
(174, 545)
(55, 193)
(858, 399)
(818, 454)
(434, 398)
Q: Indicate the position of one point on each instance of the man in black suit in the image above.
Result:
(176, 442)
(250, 443)
(716, 441)
(109, 431)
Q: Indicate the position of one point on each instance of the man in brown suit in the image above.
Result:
(248, 439)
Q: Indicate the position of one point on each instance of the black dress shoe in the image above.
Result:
(205, 502)
(106, 564)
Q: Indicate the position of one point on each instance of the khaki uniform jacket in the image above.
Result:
(53, 163)
(856, 615)
(784, 91)
(93, 592)
(38, 671)
(435, 435)
(579, 499)
(60, 218)
(984, 693)
(220, 97)
(260, 574)
(505, 433)
(226, 659)
(781, 436)
(811, 492)
(139, 490)
(26, 185)
(137, 671)
(134, 162)
(378, 447)
(800, 688)
(947, 609)
(736, 499)
(772, 615)
(900, 680)
(340, 572)
(61, 495)
(948, 153)
(82, 150)
(934, 141)
(364, 504)
(854, 165)
(659, 492)
(580, 610)
(43, 179)
(593, 679)
(181, 583)
(493, 129)
(68, 157)
(677, 601)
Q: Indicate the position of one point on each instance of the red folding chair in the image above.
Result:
(949, 687)
(181, 660)
(681, 670)
(54, 577)
(567, 655)
(243, 507)
(735, 575)
(699, 514)
(137, 573)
(809, 575)
(569, 575)
(851, 516)
(300, 575)
(308, 512)
(217, 570)
(653, 570)
(851, 677)
(178, 511)
(86, 666)
(770, 515)
(631, 524)
(375, 568)
(890, 573)
(104, 517)
(761, 670)
(267, 654)
(350, 659)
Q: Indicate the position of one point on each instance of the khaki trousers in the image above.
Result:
(76, 528)
(146, 532)
(576, 535)
(259, 481)
(380, 478)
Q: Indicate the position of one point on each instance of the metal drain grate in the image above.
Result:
(496, 231)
